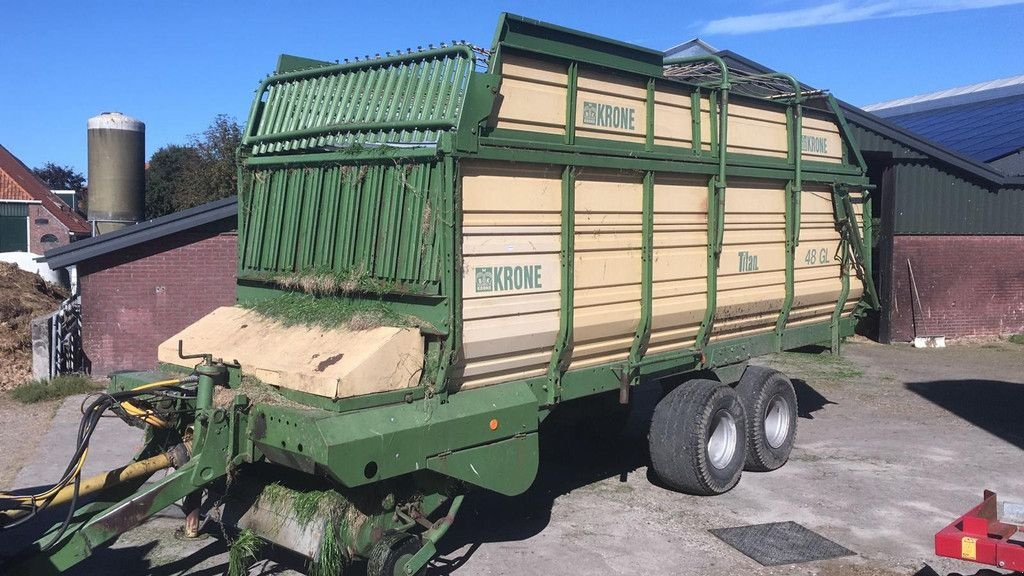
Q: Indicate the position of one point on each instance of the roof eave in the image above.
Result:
(135, 234)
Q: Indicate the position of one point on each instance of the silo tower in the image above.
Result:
(117, 178)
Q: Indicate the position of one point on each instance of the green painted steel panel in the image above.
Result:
(13, 234)
(406, 100)
(371, 221)
(507, 467)
(544, 38)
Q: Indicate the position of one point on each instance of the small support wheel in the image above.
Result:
(771, 406)
(698, 438)
(389, 555)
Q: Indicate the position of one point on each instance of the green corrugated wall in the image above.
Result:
(933, 199)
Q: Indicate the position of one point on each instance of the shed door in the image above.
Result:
(13, 227)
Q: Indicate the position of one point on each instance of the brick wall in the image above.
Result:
(967, 285)
(136, 298)
(37, 228)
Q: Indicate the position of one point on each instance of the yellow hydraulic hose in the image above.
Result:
(157, 384)
(148, 416)
(63, 491)
(103, 481)
(28, 498)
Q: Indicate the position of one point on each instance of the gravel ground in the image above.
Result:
(893, 444)
(22, 426)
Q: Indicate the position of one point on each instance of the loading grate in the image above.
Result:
(780, 543)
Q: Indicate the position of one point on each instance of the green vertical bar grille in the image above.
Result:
(406, 100)
(369, 221)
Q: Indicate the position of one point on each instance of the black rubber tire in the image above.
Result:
(758, 387)
(679, 434)
(389, 554)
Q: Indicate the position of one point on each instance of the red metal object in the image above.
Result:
(980, 537)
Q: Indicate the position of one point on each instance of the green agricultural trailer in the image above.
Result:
(439, 248)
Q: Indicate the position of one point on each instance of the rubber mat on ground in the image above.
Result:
(780, 543)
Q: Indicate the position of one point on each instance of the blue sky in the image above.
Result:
(176, 64)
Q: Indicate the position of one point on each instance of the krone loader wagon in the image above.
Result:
(438, 248)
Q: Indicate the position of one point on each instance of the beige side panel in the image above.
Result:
(533, 94)
(755, 130)
(336, 363)
(821, 314)
(816, 271)
(673, 121)
(679, 265)
(610, 106)
(817, 267)
(752, 269)
(607, 269)
(821, 141)
(745, 326)
(511, 270)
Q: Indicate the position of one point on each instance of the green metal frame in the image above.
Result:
(638, 349)
(472, 138)
(567, 256)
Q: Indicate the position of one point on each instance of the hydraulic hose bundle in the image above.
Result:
(136, 407)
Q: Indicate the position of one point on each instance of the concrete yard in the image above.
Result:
(893, 444)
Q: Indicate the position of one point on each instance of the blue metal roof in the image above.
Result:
(984, 130)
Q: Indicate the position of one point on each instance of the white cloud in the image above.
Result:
(844, 11)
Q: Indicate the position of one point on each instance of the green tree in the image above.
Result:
(201, 171)
(170, 170)
(59, 177)
(217, 146)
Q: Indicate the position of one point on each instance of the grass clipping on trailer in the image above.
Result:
(325, 506)
(243, 552)
(301, 309)
(256, 391)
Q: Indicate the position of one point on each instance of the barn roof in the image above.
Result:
(135, 234)
(17, 182)
(984, 121)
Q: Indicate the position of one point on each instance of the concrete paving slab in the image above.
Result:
(113, 444)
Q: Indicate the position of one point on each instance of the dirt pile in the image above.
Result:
(23, 296)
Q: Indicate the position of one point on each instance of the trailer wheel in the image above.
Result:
(771, 406)
(390, 553)
(698, 438)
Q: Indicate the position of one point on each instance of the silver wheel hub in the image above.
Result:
(721, 439)
(777, 416)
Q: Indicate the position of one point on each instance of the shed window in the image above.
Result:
(48, 239)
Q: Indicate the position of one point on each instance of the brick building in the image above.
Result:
(955, 213)
(949, 239)
(33, 218)
(144, 283)
(949, 225)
